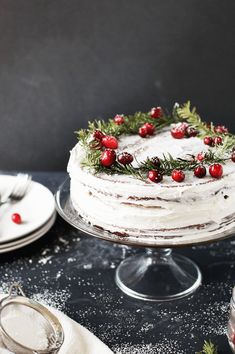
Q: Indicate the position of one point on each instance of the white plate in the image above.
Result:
(36, 208)
(11, 246)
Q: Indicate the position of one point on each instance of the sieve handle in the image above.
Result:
(16, 289)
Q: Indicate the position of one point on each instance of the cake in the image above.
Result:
(164, 202)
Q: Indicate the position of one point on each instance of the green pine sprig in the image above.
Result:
(185, 113)
(208, 348)
(132, 123)
(166, 164)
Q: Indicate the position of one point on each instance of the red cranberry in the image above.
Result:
(178, 132)
(233, 157)
(156, 162)
(125, 158)
(98, 135)
(218, 140)
(108, 157)
(150, 128)
(221, 129)
(110, 142)
(178, 175)
(16, 218)
(200, 171)
(156, 112)
(143, 131)
(155, 176)
(119, 119)
(216, 170)
(208, 140)
(200, 157)
(191, 132)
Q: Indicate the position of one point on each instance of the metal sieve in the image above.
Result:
(47, 324)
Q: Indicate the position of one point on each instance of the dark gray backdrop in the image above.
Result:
(63, 62)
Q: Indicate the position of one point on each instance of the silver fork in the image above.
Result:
(19, 189)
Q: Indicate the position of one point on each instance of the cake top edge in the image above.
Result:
(156, 145)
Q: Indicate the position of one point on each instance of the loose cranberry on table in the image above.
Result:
(16, 218)
(200, 171)
(208, 140)
(218, 140)
(155, 176)
(108, 157)
(233, 157)
(150, 128)
(216, 170)
(110, 142)
(178, 175)
(125, 158)
(119, 119)
(143, 131)
(156, 112)
(97, 134)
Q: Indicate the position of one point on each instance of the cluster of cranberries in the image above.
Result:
(146, 129)
(110, 143)
(208, 140)
(156, 176)
(149, 128)
(215, 170)
(108, 157)
(179, 131)
(217, 140)
(183, 130)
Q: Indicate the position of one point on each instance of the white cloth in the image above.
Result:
(78, 340)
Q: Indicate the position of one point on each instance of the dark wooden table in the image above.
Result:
(75, 273)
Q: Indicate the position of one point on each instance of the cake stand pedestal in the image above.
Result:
(157, 274)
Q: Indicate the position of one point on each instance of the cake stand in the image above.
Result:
(157, 274)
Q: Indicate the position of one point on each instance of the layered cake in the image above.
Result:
(153, 175)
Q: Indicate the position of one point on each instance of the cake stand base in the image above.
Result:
(158, 275)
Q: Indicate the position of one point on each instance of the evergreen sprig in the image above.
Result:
(132, 123)
(208, 348)
(130, 126)
(166, 164)
(185, 113)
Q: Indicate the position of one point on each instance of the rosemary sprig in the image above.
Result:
(166, 165)
(184, 112)
(208, 348)
(132, 123)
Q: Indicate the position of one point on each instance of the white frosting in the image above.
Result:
(123, 204)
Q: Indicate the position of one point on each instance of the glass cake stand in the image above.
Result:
(155, 275)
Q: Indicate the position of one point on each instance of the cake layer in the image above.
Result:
(128, 206)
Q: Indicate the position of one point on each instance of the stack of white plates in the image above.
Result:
(37, 211)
